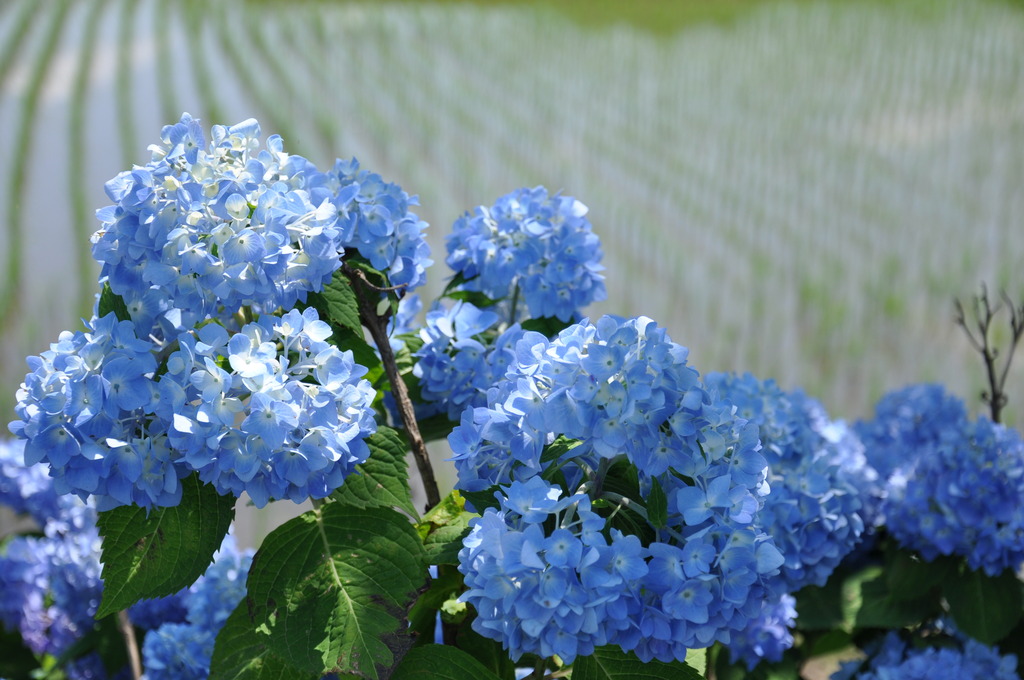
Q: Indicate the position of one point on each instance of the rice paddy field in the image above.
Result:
(796, 189)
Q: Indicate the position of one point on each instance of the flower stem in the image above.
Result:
(128, 632)
(514, 304)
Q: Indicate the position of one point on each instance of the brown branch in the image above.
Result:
(984, 313)
(367, 296)
(128, 632)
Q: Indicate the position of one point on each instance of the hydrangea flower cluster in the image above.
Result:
(29, 490)
(288, 420)
(199, 241)
(813, 511)
(952, 486)
(199, 232)
(907, 422)
(768, 636)
(894, 658)
(457, 364)
(50, 584)
(620, 392)
(88, 410)
(963, 497)
(553, 592)
(273, 410)
(534, 249)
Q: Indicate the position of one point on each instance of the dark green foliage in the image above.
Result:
(159, 553)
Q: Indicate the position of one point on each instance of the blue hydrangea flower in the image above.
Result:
(546, 594)
(814, 509)
(201, 231)
(892, 657)
(50, 584)
(907, 422)
(153, 613)
(535, 250)
(28, 489)
(178, 651)
(87, 410)
(952, 485)
(272, 409)
(404, 321)
(768, 636)
(620, 393)
(374, 219)
(963, 497)
(457, 364)
(289, 420)
(182, 650)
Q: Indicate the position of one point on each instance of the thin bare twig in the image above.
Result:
(984, 313)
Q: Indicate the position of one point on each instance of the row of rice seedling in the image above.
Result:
(798, 193)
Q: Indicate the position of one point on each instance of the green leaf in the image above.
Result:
(362, 352)
(383, 480)
(829, 643)
(558, 448)
(473, 297)
(242, 653)
(422, 616)
(104, 639)
(443, 544)
(146, 556)
(481, 500)
(411, 343)
(1014, 642)
(611, 663)
(984, 607)
(487, 651)
(786, 669)
(657, 505)
(337, 303)
(859, 600)
(697, 659)
(909, 577)
(333, 586)
(547, 325)
(441, 662)
(622, 479)
(443, 528)
(881, 609)
(457, 280)
(821, 607)
(373, 275)
(17, 661)
(551, 456)
(846, 601)
(111, 302)
(436, 427)
(725, 669)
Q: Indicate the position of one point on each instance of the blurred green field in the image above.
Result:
(797, 189)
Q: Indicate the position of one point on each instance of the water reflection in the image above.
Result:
(798, 191)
